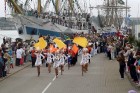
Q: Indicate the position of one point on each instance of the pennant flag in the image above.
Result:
(121, 2)
(36, 45)
(59, 43)
(41, 44)
(75, 49)
(81, 41)
(52, 49)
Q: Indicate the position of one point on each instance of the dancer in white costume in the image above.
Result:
(62, 61)
(56, 64)
(84, 60)
(50, 57)
(38, 62)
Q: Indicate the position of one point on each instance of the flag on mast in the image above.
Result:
(121, 2)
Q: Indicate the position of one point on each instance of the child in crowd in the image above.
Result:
(12, 62)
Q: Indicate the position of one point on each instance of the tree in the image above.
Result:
(131, 39)
(137, 43)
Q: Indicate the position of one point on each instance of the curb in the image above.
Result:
(131, 82)
(14, 73)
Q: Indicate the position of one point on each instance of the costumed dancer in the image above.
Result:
(84, 61)
(56, 60)
(62, 61)
(38, 62)
(50, 57)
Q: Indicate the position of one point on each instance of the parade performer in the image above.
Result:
(56, 64)
(62, 61)
(38, 62)
(50, 57)
(84, 61)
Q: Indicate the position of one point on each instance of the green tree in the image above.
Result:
(137, 43)
(131, 39)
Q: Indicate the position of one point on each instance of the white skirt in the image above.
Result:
(83, 63)
(62, 63)
(56, 64)
(38, 63)
(49, 60)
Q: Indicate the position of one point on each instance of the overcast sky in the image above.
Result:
(134, 4)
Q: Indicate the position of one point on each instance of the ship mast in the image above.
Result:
(39, 7)
(16, 6)
(112, 11)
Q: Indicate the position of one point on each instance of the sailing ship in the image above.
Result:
(111, 15)
(66, 17)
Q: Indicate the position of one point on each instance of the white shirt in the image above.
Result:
(19, 53)
(6, 45)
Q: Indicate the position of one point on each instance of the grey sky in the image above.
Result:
(134, 4)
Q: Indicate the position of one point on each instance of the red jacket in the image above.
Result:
(33, 53)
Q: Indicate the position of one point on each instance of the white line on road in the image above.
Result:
(46, 87)
(54, 78)
(50, 83)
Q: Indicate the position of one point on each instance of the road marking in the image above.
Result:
(54, 78)
(46, 87)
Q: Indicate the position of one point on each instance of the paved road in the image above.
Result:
(102, 77)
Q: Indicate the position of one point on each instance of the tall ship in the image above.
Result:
(61, 17)
(49, 17)
(111, 15)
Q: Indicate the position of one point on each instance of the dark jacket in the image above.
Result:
(131, 60)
